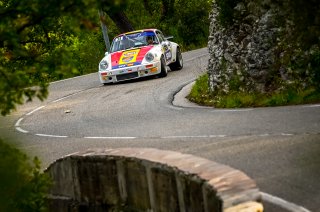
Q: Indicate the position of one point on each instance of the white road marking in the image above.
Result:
(185, 136)
(38, 108)
(71, 78)
(21, 130)
(217, 136)
(70, 95)
(57, 100)
(162, 137)
(193, 136)
(54, 136)
(286, 134)
(283, 203)
(18, 122)
(111, 137)
(317, 105)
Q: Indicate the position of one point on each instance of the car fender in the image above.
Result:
(108, 59)
(174, 47)
(156, 51)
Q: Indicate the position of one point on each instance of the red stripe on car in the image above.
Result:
(115, 57)
(143, 52)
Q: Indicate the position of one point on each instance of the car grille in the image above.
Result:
(127, 76)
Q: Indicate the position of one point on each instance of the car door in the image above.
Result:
(166, 47)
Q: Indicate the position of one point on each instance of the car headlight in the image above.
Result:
(103, 65)
(149, 57)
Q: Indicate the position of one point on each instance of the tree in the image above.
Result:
(121, 20)
(115, 11)
(23, 186)
(31, 46)
(167, 9)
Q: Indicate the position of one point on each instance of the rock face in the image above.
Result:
(242, 54)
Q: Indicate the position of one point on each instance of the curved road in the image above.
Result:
(278, 147)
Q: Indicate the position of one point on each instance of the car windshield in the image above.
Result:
(133, 40)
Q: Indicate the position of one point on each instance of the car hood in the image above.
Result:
(129, 57)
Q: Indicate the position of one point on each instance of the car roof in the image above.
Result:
(132, 32)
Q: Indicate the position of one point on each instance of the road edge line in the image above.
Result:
(282, 203)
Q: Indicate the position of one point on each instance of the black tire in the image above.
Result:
(164, 71)
(178, 64)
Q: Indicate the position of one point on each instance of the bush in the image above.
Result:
(22, 186)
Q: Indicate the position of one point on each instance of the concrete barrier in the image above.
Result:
(144, 179)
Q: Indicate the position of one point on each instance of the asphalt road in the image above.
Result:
(278, 147)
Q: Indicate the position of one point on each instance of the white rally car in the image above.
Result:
(139, 54)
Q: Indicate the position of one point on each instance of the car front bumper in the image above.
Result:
(127, 73)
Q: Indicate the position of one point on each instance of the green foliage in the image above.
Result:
(22, 186)
(200, 94)
(304, 17)
(315, 69)
(235, 100)
(83, 52)
(186, 20)
(226, 11)
(192, 22)
(299, 49)
(35, 42)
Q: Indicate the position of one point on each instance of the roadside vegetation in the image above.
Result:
(23, 186)
(201, 94)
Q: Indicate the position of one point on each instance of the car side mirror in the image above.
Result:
(105, 54)
(168, 37)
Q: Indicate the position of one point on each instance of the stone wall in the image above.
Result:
(130, 179)
(242, 53)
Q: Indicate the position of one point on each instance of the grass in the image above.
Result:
(200, 94)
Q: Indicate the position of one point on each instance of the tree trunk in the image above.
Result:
(104, 30)
(122, 22)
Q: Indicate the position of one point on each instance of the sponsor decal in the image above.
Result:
(129, 56)
(118, 58)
